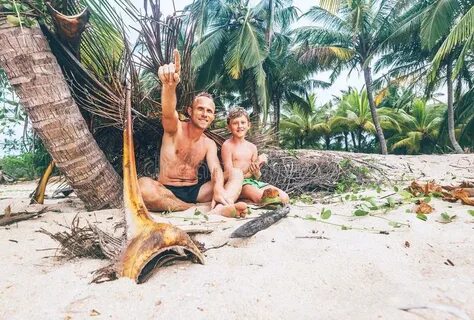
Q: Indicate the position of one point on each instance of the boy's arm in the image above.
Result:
(255, 165)
(217, 176)
(169, 75)
(226, 153)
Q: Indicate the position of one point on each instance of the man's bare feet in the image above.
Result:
(236, 210)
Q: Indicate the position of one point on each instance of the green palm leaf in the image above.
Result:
(436, 23)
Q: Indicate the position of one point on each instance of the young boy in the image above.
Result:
(239, 153)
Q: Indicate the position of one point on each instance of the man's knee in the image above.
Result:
(146, 186)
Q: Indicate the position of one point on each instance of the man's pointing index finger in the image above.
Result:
(177, 61)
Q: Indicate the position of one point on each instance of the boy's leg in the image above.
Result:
(232, 186)
(252, 193)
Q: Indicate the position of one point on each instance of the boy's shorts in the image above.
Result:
(255, 183)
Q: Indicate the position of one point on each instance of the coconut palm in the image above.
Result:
(55, 116)
(444, 28)
(349, 37)
(230, 48)
(353, 115)
(304, 124)
(420, 127)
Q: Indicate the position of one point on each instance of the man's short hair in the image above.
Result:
(237, 112)
(203, 95)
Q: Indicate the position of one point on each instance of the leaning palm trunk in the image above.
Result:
(38, 81)
(373, 111)
(452, 136)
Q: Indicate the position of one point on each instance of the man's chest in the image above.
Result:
(189, 153)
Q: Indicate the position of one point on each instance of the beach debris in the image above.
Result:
(77, 241)
(449, 263)
(463, 192)
(458, 313)
(300, 172)
(29, 212)
(423, 208)
(260, 223)
(150, 245)
(39, 193)
(5, 178)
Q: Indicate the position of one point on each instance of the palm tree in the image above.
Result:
(55, 116)
(305, 124)
(451, 23)
(230, 48)
(444, 29)
(420, 127)
(350, 36)
(354, 116)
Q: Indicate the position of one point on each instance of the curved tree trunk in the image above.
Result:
(373, 110)
(451, 134)
(38, 80)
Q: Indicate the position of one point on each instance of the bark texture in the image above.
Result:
(451, 128)
(33, 71)
(373, 111)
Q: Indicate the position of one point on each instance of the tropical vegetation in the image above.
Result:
(416, 59)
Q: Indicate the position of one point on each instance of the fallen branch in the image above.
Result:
(9, 217)
(260, 223)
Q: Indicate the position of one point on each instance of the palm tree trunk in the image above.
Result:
(449, 82)
(346, 142)
(354, 142)
(269, 31)
(373, 110)
(327, 140)
(39, 83)
(277, 120)
(359, 137)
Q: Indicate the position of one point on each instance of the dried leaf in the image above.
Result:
(423, 208)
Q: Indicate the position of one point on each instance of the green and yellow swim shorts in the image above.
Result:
(255, 183)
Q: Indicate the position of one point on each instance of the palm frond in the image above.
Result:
(462, 31)
(436, 22)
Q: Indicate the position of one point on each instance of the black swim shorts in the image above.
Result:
(187, 194)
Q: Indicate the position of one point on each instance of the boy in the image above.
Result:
(239, 153)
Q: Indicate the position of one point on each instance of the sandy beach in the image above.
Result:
(303, 267)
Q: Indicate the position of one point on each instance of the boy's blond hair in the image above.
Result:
(237, 112)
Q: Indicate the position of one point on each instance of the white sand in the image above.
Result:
(273, 275)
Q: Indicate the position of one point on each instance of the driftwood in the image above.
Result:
(11, 217)
(260, 223)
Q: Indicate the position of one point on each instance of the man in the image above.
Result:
(183, 148)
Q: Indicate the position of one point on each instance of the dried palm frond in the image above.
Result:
(77, 241)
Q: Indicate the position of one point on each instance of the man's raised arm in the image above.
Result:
(169, 75)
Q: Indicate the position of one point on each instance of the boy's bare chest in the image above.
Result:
(242, 154)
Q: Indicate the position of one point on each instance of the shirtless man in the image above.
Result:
(183, 148)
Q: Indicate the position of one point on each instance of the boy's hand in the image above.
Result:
(254, 167)
(262, 159)
(169, 74)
